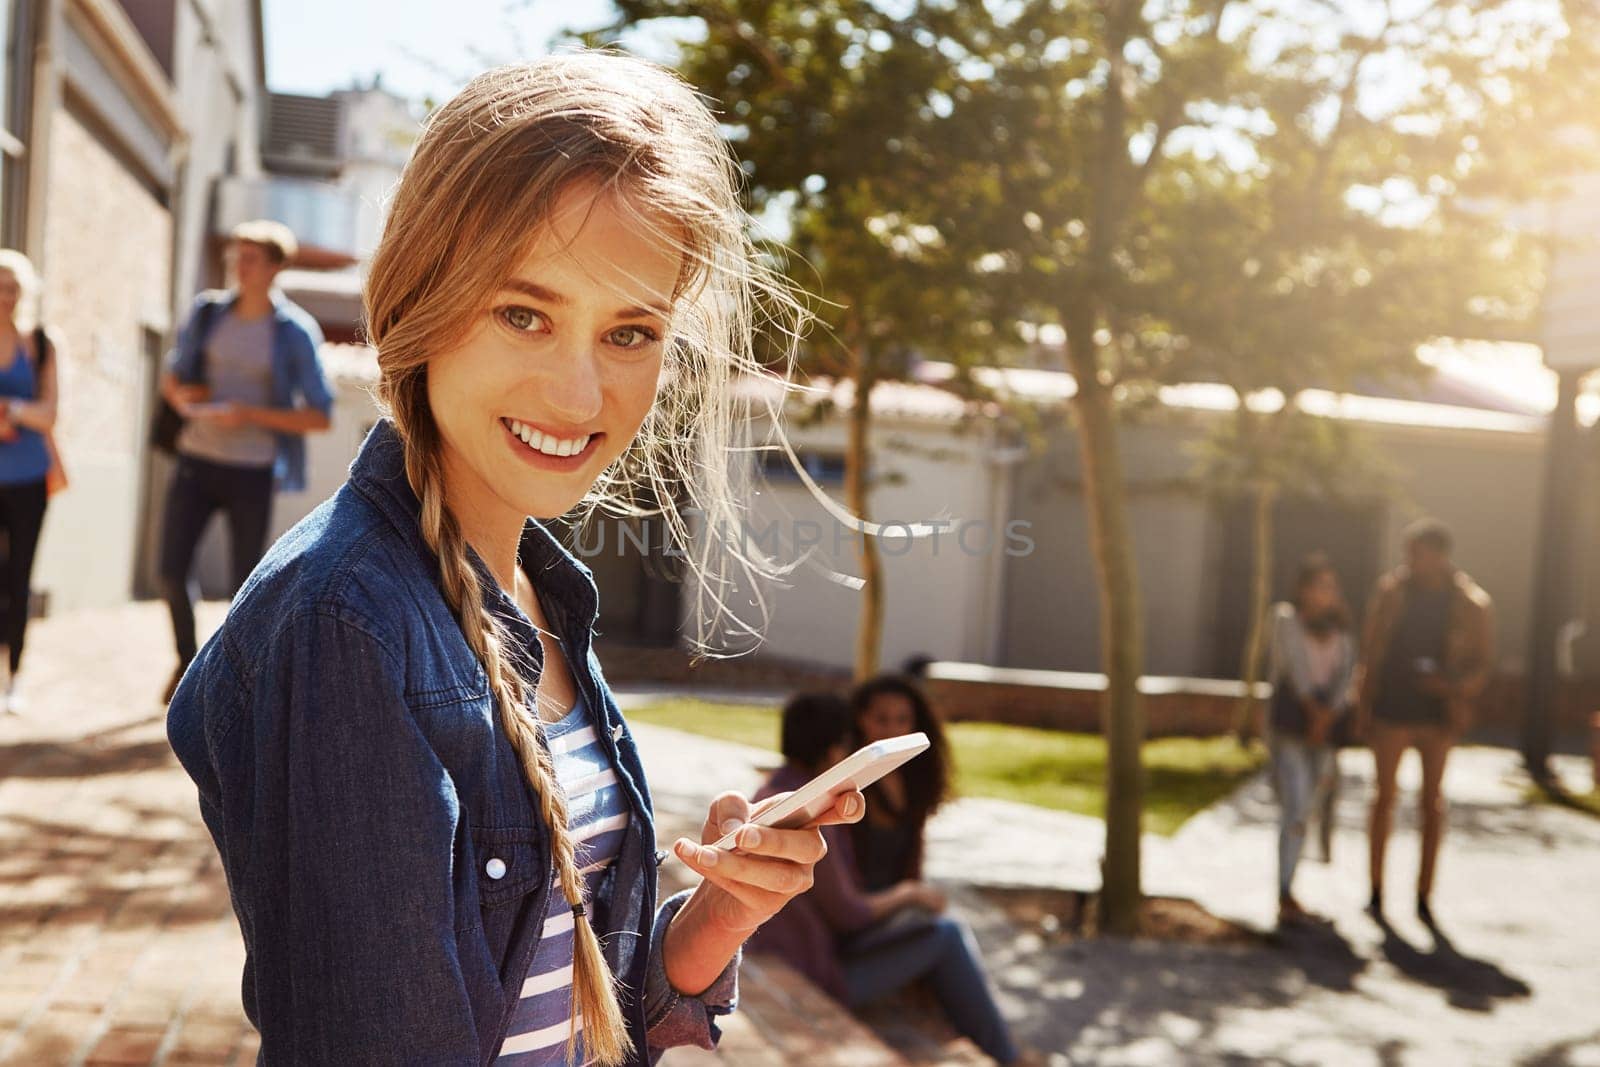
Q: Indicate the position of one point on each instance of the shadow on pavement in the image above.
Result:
(1564, 1053)
(1322, 953)
(1470, 983)
(91, 754)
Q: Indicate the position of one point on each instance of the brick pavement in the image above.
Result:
(117, 944)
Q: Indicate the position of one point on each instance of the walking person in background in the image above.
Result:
(860, 944)
(1428, 654)
(247, 379)
(1313, 668)
(28, 392)
(889, 841)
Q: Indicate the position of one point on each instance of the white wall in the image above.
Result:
(937, 593)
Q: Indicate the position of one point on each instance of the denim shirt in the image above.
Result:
(355, 777)
(296, 368)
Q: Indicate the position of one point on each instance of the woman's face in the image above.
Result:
(888, 715)
(10, 294)
(554, 381)
(1321, 594)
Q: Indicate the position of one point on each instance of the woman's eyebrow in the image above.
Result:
(550, 296)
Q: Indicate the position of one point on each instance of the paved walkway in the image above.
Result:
(117, 944)
(1516, 980)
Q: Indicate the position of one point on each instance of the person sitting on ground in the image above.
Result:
(860, 946)
(1313, 666)
(888, 841)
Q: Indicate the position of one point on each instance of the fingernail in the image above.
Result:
(751, 838)
(852, 805)
(685, 849)
(708, 857)
(729, 826)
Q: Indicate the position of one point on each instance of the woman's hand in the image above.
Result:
(742, 888)
(928, 896)
(769, 868)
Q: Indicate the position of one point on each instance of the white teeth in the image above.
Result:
(543, 442)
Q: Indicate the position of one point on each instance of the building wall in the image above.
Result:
(1484, 484)
(1052, 599)
(217, 83)
(105, 295)
(1486, 488)
(936, 593)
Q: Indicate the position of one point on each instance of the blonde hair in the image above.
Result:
(21, 268)
(487, 170)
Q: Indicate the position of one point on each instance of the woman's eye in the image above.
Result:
(520, 318)
(633, 336)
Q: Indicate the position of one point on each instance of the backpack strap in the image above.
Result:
(205, 317)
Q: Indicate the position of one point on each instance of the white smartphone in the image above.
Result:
(856, 771)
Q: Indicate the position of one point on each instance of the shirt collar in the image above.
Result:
(562, 582)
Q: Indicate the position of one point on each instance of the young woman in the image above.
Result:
(433, 819)
(860, 944)
(27, 414)
(888, 842)
(1313, 664)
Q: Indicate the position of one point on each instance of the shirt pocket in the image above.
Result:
(511, 863)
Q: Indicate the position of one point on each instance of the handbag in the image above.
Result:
(168, 423)
(55, 479)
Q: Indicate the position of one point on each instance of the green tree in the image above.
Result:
(1185, 185)
(831, 108)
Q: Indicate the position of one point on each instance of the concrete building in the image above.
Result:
(1460, 450)
(118, 116)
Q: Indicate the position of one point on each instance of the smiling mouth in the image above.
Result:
(546, 444)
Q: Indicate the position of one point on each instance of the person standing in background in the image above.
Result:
(1313, 667)
(28, 394)
(247, 378)
(1428, 654)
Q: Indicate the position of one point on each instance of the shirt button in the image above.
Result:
(495, 868)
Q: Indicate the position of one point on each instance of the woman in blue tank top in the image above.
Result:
(27, 413)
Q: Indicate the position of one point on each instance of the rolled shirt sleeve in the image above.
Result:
(671, 1018)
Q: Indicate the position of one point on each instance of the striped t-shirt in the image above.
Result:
(597, 812)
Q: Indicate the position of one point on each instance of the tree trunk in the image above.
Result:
(1261, 529)
(1121, 636)
(857, 470)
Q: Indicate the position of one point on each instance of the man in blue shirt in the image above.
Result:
(247, 378)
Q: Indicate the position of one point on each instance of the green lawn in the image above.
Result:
(1043, 767)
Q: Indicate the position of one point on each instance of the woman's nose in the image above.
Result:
(570, 384)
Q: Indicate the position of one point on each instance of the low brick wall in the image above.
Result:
(1049, 700)
(1062, 700)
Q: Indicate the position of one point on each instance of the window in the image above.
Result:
(825, 468)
